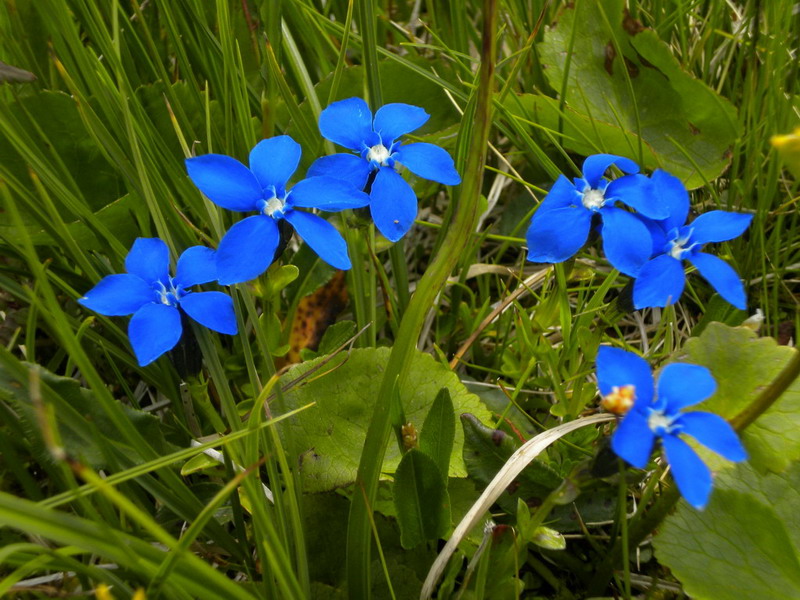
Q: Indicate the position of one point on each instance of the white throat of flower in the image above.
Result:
(593, 199)
(679, 246)
(168, 296)
(380, 154)
(272, 206)
(657, 421)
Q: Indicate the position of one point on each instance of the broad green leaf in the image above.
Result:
(329, 438)
(743, 364)
(747, 539)
(486, 450)
(421, 499)
(683, 124)
(438, 431)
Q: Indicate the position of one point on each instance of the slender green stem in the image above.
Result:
(477, 122)
(622, 515)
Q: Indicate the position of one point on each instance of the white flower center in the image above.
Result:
(659, 422)
(273, 204)
(593, 199)
(680, 245)
(168, 295)
(379, 153)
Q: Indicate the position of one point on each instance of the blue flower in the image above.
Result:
(656, 413)
(561, 224)
(393, 203)
(660, 281)
(148, 293)
(248, 248)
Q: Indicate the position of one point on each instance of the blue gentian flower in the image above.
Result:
(393, 203)
(656, 413)
(660, 281)
(561, 224)
(153, 297)
(248, 248)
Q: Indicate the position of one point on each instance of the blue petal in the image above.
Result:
(673, 195)
(689, 472)
(393, 204)
(347, 122)
(149, 259)
(719, 226)
(637, 191)
(595, 166)
(633, 440)
(626, 241)
(394, 120)
(211, 309)
(118, 295)
(247, 249)
(659, 283)
(154, 329)
(225, 181)
(323, 238)
(561, 195)
(722, 278)
(557, 234)
(347, 167)
(714, 433)
(274, 160)
(681, 385)
(196, 265)
(326, 193)
(657, 234)
(617, 368)
(429, 162)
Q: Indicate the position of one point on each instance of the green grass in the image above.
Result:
(92, 156)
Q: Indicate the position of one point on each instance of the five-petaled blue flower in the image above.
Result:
(563, 220)
(393, 203)
(153, 297)
(248, 248)
(661, 280)
(656, 413)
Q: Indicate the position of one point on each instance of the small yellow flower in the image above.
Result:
(788, 147)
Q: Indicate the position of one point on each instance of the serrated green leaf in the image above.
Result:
(682, 121)
(438, 431)
(330, 437)
(421, 500)
(743, 364)
(746, 539)
(486, 450)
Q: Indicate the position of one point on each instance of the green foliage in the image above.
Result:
(486, 450)
(421, 499)
(747, 539)
(743, 365)
(329, 439)
(439, 430)
(623, 92)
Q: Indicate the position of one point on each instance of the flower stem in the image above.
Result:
(476, 125)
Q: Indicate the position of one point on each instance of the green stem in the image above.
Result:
(477, 122)
(622, 515)
(400, 272)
